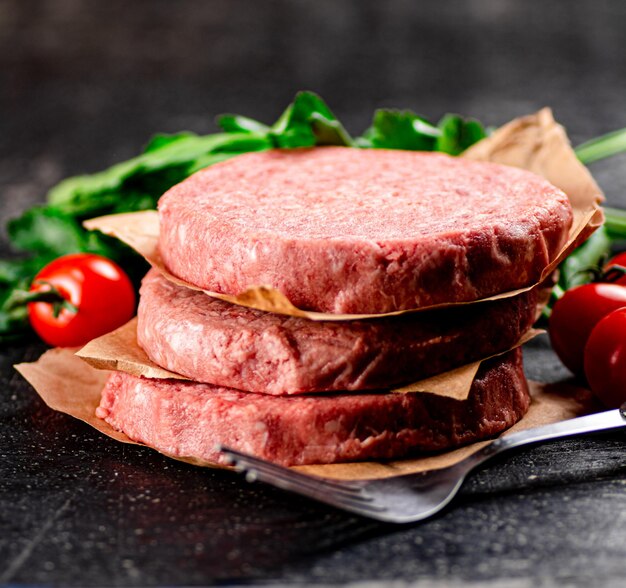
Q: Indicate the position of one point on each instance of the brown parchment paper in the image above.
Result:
(120, 351)
(69, 385)
(538, 144)
(535, 142)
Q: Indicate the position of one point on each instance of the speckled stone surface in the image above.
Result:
(82, 86)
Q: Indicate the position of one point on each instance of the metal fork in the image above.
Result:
(413, 497)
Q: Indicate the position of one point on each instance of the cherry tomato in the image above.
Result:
(618, 260)
(605, 359)
(574, 316)
(100, 291)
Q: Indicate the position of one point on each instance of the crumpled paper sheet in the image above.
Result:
(535, 142)
(69, 385)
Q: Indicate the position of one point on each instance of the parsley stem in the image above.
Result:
(602, 147)
(615, 223)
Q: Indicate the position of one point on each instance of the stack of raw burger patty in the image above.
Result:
(338, 230)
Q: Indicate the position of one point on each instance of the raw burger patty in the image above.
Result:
(185, 419)
(212, 341)
(362, 231)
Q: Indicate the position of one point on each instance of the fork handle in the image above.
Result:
(601, 421)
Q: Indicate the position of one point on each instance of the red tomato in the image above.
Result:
(574, 316)
(99, 289)
(605, 359)
(618, 260)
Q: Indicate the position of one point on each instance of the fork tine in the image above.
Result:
(254, 465)
(367, 509)
(334, 497)
(317, 488)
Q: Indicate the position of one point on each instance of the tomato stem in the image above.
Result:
(613, 273)
(52, 296)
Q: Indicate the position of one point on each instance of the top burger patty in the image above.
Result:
(362, 231)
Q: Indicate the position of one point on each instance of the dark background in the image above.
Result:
(84, 83)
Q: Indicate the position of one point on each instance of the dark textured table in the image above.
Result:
(84, 83)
